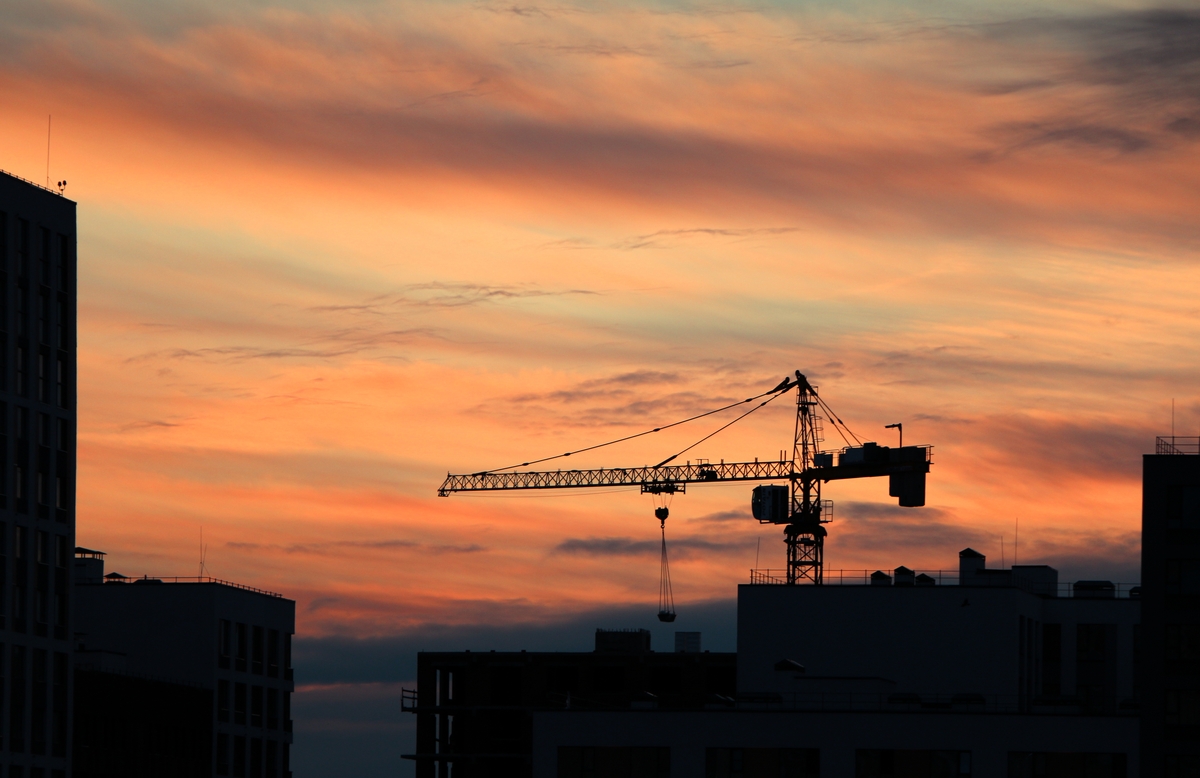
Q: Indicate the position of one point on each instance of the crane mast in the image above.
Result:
(797, 506)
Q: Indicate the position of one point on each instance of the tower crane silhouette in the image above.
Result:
(797, 506)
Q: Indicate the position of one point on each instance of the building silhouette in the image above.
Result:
(215, 654)
(37, 476)
(475, 711)
(1170, 635)
(980, 672)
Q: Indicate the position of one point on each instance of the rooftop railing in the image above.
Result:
(1176, 444)
(32, 183)
(152, 579)
(1063, 589)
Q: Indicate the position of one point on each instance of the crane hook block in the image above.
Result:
(662, 513)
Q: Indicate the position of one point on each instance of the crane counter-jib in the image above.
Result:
(669, 477)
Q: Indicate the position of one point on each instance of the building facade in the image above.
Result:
(475, 710)
(37, 477)
(1171, 603)
(220, 649)
(989, 673)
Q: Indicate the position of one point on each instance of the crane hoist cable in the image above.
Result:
(666, 597)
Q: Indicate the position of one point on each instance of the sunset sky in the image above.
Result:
(331, 251)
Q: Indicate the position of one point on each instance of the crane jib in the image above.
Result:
(674, 478)
(652, 478)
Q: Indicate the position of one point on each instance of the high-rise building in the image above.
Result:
(1170, 631)
(37, 477)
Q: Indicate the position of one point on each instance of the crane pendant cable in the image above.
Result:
(666, 598)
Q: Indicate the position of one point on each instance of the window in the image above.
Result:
(22, 246)
(42, 548)
(224, 638)
(20, 314)
(256, 706)
(287, 711)
(16, 700)
(239, 757)
(239, 703)
(887, 763)
(60, 393)
(242, 648)
(222, 754)
(272, 709)
(22, 422)
(59, 716)
(64, 435)
(257, 651)
(287, 656)
(1182, 713)
(60, 324)
(754, 762)
(37, 736)
(43, 313)
(273, 653)
(1051, 659)
(582, 761)
(64, 260)
(272, 759)
(45, 256)
(223, 700)
(256, 757)
(1023, 764)
(41, 373)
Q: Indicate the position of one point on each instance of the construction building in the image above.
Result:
(37, 476)
(475, 711)
(217, 655)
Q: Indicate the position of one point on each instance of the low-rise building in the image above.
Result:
(219, 651)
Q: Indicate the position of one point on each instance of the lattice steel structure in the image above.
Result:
(804, 513)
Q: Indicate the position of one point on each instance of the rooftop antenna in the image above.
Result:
(897, 426)
(203, 553)
(48, 118)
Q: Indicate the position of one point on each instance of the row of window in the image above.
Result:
(39, 589)
(262, 758)
(41, 376)
(33, 688)
(38, 250)
(268, 707)
(42, 471)
(50, 323)
(17, 771)
(655, 762)
(259, 650)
